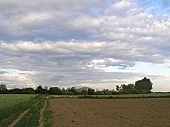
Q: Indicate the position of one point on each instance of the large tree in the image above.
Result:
(145, 84)
(39, 90)
(55, 91)
(3, 88)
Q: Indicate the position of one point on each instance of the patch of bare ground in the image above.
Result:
(111, 112)
(41, 123)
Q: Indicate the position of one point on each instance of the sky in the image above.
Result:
(95, 43)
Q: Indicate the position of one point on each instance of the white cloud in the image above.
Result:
(17, 77)
(123, 4)
(81, 42)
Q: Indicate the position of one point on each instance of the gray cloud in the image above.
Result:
(68, 43)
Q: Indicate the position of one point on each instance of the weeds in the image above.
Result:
(48, 115)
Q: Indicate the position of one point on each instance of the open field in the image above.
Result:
(146, 112)
(7, 100)
(20, 109)
(138, 110)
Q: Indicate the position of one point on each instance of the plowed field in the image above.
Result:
(111, 112)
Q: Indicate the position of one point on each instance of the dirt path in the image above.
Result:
(15, 121)
(41, 123)
(21, 115)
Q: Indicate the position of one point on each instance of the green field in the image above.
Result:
(7, 100)
(11, 105)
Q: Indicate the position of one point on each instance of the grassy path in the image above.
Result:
(48, 120)
(18, 119)
(31, 118)
(36, 114)
(21, 115)
(41, 123)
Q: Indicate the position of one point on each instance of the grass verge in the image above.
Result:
(48, 115)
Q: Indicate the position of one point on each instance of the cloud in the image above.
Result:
(71, 63)
(2, 72)
(69, 43)
(124, 4)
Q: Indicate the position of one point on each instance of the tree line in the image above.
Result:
(140, 87)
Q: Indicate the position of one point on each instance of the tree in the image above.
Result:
(128, 89)
(107, 92)
(3, 88)
(39, 90)
(15, 91)
(55, 91)
(45, 89)
(73, 90)
(144, 85)
(28, 91)
(91, 91)
(84, 91)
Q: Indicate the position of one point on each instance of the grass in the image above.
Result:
(31, 118)
(12, 105)
(13, 99)
(48, 115)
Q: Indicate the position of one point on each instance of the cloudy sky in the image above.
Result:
(95, 43)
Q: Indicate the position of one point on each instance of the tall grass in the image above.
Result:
(30, 119)
(12, 105)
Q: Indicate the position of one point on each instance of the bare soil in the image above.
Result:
(111, 112)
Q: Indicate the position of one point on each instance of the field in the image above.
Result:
(7, 100)
(14, 106)
(144, 112)
(137, 110)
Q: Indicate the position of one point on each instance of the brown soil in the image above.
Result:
(111, 113)
(18, 119)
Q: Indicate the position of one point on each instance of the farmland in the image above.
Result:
(111, 112)
(18, 110)
(7, 100)
(11, 105)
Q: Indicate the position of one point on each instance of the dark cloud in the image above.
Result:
(3, 72)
